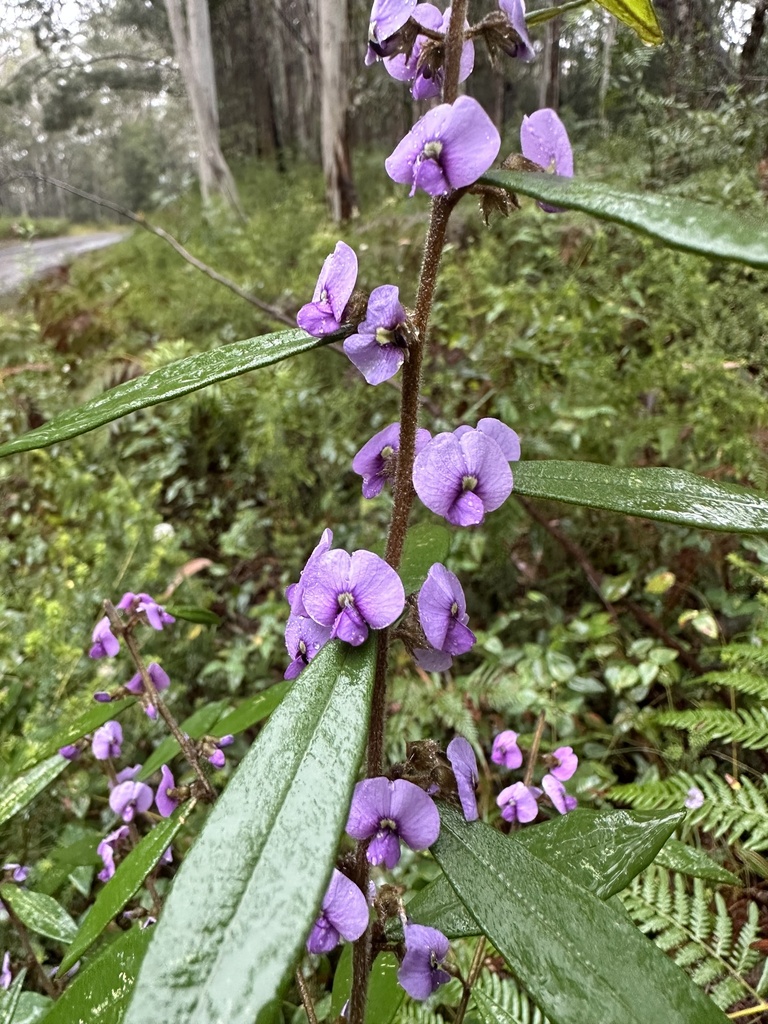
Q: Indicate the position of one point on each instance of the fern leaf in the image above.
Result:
(749, 727)
(499, 1001)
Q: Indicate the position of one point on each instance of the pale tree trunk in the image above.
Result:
(609, 39)
(549, 80)
(191, 32)
(334, 146)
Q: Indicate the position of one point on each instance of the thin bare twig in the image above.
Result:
(306, 998)
(474, 971)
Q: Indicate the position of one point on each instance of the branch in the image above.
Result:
(138, 218)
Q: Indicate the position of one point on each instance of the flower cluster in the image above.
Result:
(141, 606)
(519, 803)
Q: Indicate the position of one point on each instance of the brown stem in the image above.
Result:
(474, 971)
(32, 960)
(454, 42)
(305, 997)
(157, 702)
(533, 753)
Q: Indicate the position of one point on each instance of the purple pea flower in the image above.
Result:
(71, 751)
(518, 803)
(430, 660)
(505, 437)
(420, 973)
(519, 44)
(129, 797)
(387, 19)
(5, 972)
(303, 637)
(107, 849)
(545, 141)
(376, 460)
(294, 592)
(386, 812)
(165, 803)
(216, 757)
(105, 643)
(102, 697)
(343, 915)
(160, 679)
(323, 315)
(449, 147)
(106, 741)
(127, 774)
(428, 82)
(563, 763)
(462, 478)
(443, 612)
(379, 348)
(555, 790)
(506, 751)
(351, 593)
(464, 764)
(147, 608)
(694, 798)
(18, 872)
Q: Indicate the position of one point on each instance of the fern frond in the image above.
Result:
(749, 727)
(414, 1013)
(698, 935)
(751, 683)
(499, 1001)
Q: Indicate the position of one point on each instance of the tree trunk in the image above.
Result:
(194, 55)
(334, 144)
(752, 45)
(609, 39)
(549, 81)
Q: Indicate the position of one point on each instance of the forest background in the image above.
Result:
(644, 643)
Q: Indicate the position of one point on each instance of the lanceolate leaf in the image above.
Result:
(384, 993)
(687, 860)
(639, 15)
(680, 223)
(124, 883)
(671, 495)
(9, 998)
(100, 993)
(251, 711)
(601, 851)
(17, 794)
(82, 726)
(248, 891)
(172, 381)
(578, 958)
(40, 913)
(198, 724)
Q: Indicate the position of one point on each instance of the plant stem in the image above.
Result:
(305, 997)
(474, 971)
(32, 960)
(158, 703)
(454, 42)
(533, 753)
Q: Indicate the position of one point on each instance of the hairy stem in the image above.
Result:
(454, 41)
(306, 998)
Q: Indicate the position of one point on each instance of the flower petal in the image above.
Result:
(471, 142)
(370, 804)
(417, 818)
(346, 907)
(378, 591)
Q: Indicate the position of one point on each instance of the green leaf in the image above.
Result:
(198, 724)
(601, 851)
(492, 1012)
(639, 15)
(687, 860)
(23, 789)
(86, 723)
(124, 883)
(9, 998)
(425, 544)
(247, 892)
(168, 382)
(251, 711)
(680, 223)
(40, 913)
(533, 18)
(576, 956)
(671, 495)
(100, 993)
(384, 993)
(191, 613)
(32, 1008)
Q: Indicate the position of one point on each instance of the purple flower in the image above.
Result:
(376, 460)
(351, 593)
(451, 146)
(216, 756)
(386, 812)
(443, 612)
(563, 763)
(106, 741)
(294, 592)
(506, 751)
(518, 802)
(387, 18)
(303, 637)
(464, 764)
(420, 973)
(105, 643)
(129, 797)
(519, 44)
(147, 608)
(5, 972)
(165, 803)
(158, 676)
(107, 849)
(126, 774)
(428, 81)
(323, 315)
(378, 349)
(545, 141)
(18, 872)
(102, 697)
(505, 437)
(462, 478)
(555, 790)
(431, 660)
(71, 751)
(343, 915)
(694, 798)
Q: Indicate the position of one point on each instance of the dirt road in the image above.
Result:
(21, 261)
